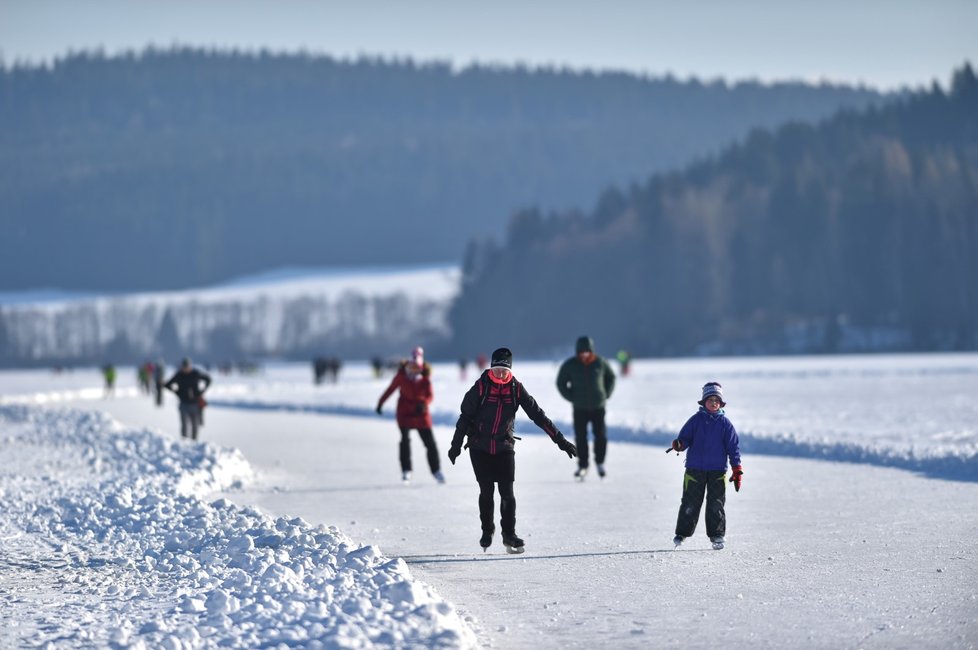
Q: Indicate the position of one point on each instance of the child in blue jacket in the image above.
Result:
(709, 440)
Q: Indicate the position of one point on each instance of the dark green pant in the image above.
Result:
(697, 484)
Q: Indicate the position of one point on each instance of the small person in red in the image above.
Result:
(413, 380)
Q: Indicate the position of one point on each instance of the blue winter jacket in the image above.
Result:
(709, 440)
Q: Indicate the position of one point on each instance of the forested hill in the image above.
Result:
(859, 233)
(185, 167)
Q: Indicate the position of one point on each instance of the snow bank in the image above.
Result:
(104, 530)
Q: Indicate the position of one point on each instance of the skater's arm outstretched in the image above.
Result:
(539, 418)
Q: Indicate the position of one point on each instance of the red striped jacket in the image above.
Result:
(488, 414)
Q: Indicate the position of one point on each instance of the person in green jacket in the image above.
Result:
(587, 381)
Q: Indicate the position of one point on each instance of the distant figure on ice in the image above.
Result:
(487, 414)
(587, 381)
(709, 439)
(333, 367)
(186, 383)
(413, 379)
(462, 365)
(320, 365)
(143, 373)
(159, 372)
(378, 366)
(108, 375)
(481, 361)
(625, 359)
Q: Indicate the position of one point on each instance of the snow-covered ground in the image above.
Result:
(289, 525)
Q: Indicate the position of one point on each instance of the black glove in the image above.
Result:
(454, 453)
(678, 445)
(380, 409)
(566, 445)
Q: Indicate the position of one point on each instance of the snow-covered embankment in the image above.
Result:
(107, 541)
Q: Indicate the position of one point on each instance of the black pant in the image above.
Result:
(507, 506)
(696, 484)
(492, 470)
(581, 420)
(189, 420)
(429, 442)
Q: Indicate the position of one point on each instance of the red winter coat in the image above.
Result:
(416, 394)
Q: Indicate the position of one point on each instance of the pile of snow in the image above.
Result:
(104, 530)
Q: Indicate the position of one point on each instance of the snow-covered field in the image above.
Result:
(289, 527)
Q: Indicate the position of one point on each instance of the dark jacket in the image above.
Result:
(709, 440)
(488, 415)
(415, 396)
(586, 385)
(187, 385)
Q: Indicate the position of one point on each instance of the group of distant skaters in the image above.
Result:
(486, 428)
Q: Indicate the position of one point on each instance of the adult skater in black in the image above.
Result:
(186, 384)
(487, 414)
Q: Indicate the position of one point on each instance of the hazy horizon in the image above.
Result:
(882, 45)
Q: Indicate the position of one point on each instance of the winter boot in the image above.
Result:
(512, 543)
(581, 473)
(718, 542)
(486, 540)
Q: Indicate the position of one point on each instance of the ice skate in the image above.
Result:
(717, 542)
(580, 474)
(439, 476)
(678, 540)
(405, 477)
(486, 540)
(512, 543)
(601, 471)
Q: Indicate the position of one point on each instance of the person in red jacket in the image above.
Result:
(413, 379)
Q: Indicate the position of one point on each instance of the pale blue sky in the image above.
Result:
(882, 43)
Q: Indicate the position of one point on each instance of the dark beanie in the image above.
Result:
(502, 358)
(584, 344)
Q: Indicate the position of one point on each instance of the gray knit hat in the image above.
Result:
(712, 388)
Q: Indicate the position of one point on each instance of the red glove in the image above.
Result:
(737, 477)
(678, 445)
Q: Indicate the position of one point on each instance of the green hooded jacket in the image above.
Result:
(586, 386)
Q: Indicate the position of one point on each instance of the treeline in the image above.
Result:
(858, 233)
(184, 167)
(133, 329)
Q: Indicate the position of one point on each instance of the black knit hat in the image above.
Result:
(502, 358)
(584, 344)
